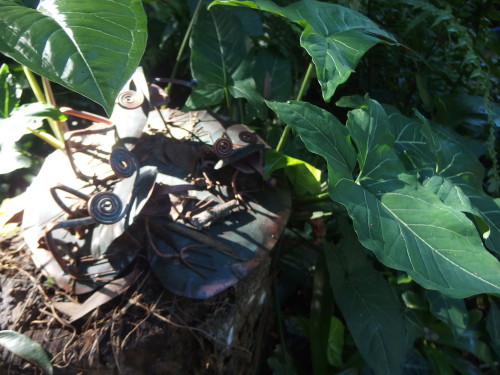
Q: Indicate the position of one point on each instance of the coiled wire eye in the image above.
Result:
(123, 162)
(105, 207)
(130, 99)
(223, 147)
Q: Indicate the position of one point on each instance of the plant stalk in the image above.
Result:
(40, 96)
(58, 127)
(302, 89)
(184, 43)
(50, 139)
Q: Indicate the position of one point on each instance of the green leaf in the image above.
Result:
(27, 349)
(91, 47)
(369, 306)
(10, 92)
(273, 76)
(451, 311)
(324, 133)
(493, 327)
(407, 226)
(335, 342)
(438, 361)
(220, 61)
(28, 116)
(304, 178)
(336, 37)
(320, 317)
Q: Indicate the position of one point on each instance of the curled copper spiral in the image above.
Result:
(223, 147)
(105, 207)
(130, 99)
(123, 162)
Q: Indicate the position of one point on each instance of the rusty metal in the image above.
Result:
(179, 186)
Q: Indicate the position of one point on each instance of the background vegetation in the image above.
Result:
(389, 264)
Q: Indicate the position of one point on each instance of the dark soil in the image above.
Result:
(144, 331)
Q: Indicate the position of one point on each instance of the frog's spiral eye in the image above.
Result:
(130, 99)
(248, 137)
(105, 207)
(123, 162)
(223, 147)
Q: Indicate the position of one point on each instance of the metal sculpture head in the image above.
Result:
(179, 186)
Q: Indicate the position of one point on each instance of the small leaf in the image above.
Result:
(91, 47)
(304, 178)
(335, 342)
(10, 92)
(27, 349)
(451, 311)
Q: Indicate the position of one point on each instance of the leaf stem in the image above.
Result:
(184, 43)
(51, 140)
(40, 96)
(58, 127)
(302, 89)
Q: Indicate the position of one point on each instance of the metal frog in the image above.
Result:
(179, 187)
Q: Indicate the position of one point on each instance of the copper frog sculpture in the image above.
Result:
(178, 186)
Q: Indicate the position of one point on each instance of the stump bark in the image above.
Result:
(144, 331)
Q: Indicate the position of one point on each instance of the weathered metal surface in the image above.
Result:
(190, 194)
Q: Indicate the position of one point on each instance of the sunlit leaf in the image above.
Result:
(335, 342)
(91, 47)
(304, 178)
(27, 349)
(407, 226)
(10, 92)
(28, 116)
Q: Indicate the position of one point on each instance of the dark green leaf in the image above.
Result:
(325, 135)
(336, 37)
(27, 349)
(451, 311)
(438, 361)
(91, 47)
(273, 75)
(321, 311)
(220, 61)
(370, 308)
(10, 92)
(493, 327)
(407, 226)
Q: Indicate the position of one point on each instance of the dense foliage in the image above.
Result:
(390, 262)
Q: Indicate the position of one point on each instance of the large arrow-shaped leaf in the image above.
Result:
(336, 37)
(405, 224)
(220, 61)
(369, 306)
(91, 46)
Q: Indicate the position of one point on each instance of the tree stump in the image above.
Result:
(144, 331)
